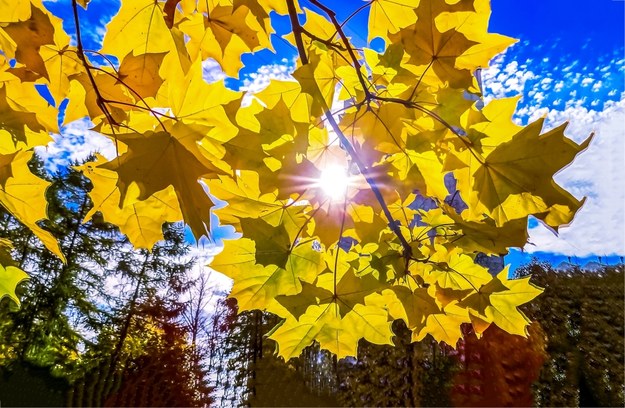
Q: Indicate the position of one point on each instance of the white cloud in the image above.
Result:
(597, 173)
(211, 71)
(259, 80)
(503, 80)
(75, 143)
(559, 85)
(571, 66)
(597, 86)
(587, 81)
(545, 84)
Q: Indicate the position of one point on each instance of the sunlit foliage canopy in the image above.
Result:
(431, 176)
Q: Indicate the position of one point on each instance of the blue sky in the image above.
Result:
(569, 65)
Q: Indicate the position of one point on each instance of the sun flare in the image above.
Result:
(334, 181)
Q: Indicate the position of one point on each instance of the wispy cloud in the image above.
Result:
(211, 71)
(259, 80)
(75, 143)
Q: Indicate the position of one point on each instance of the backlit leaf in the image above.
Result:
(10, 277)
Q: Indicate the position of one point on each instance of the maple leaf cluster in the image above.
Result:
(435, 177)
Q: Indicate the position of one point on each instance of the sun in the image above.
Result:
(334, 181)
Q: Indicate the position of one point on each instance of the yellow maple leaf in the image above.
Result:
(245, 200)
(455, 270)
(324, 150)
(140, 73)
(444, 53)
(10, 277)
(350, 290)
(61, 63)
(224, 34)
(390, 16)
(263, 269)
(25, 117)
(139, 28)
(28, 36)
(515, 179)
(12, 11)
(388, 74)
(299, 103)
(318, 78)
(493, 125)
(23, 195)
(140, 221)
(477, 236)
(192, 100)
(337, 334)
(444, 326)
(171, 157)
(413, 306)
(498, 302)
(83, 98)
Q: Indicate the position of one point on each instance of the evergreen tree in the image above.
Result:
(410, 374)
(145, 340)
(57, 309)
(106, 318)
(582, 315)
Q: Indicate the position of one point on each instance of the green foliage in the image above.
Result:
(103, 340)
(41, 331)
(410, 374)
(582, 315)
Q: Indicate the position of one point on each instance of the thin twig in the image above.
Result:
(435, 116)
(81, 54)
(329, 42)
(347, 44)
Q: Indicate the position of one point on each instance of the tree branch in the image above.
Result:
(297, 31)
(81, 54)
